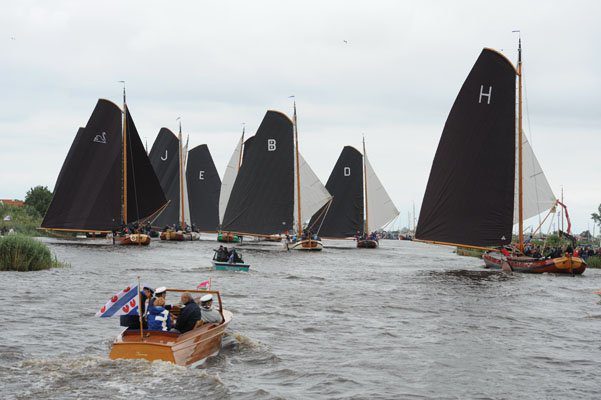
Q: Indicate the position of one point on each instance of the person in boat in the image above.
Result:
(188, 316)
(148, 296)
(207, 313)
(234, 257)
(158, 316)
(133, 321)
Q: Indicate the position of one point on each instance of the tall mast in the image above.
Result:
(181, 177)
(124, 147)
(366, 227)
(241, 146)
(298, 192)
(520, 138)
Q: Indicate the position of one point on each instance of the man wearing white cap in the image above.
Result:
(207, 313)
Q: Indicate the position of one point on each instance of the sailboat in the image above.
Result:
(168, 158)
(274, 186)
(204, 186)
(229, 178)
(481, 183)
(106, 182)
(359, 202)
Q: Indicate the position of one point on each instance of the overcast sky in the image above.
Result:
(221, 63)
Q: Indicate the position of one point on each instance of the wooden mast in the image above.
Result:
(124, 126)
(181, 179)
(366, 227)
(298, 191)
(520, 139)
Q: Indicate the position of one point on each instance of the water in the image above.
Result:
(405, 321)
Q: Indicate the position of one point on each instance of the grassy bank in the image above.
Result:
(594, 262)
(24, 220)
(22, 253)
(462, 251)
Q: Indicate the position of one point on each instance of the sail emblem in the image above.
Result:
(503, 237)
(487, 95)
(100, 138)
(271, 145)
(347, 171)
(201, 175)
(164, 159)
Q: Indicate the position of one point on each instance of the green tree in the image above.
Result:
(39, 198)
(597, 217)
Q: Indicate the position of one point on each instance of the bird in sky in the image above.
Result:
(345, 41)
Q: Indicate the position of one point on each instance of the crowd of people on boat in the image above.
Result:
(547, 252)
(222, 254)
(159, 316)
(364, 236)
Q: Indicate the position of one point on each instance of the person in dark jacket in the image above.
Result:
(189, 315)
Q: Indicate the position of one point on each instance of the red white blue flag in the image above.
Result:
(123, 303)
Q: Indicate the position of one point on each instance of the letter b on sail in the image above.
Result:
(271, 145)
(347, 171)
(487, 95)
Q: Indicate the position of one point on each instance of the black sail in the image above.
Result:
(470, 193)
(164, 157)
(344, 218)
(145, 196)
(247, 145)
(204, 186)
(87, 194)
(262, 198)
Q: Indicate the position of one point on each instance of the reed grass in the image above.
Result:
(22, 253)
(594, 262)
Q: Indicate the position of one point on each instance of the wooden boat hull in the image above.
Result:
(225, 266)
(228, 238)
(188, 349)
(367, 244)
(179, 236)
(135, 239)
(307, 245)
(560, 265)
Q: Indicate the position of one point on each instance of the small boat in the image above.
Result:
(187, 349)
(179, 236)
(485, 177)
(228, 237)
(306, 245)
(261, 192)
(106, 181)
(560, 265)
(360, 201)
(134, 239)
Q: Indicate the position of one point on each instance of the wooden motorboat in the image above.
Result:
(307, 245)
(228, 237)
(136, 239)
(186, 349)
(367, 244)
(226, 266)
(179, 236)
(560, 265)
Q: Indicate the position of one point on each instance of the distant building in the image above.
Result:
(9, 202)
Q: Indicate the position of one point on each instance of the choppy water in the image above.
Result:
(407, 320)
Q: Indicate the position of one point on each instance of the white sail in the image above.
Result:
(229, 177)
(314, 194)
(381, 210)
(538, 196)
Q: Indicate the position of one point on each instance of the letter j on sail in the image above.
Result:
(487, 95)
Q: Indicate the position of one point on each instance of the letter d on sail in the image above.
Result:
(487, 95)
(271, 144)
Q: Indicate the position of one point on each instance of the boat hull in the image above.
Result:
(225, 266)
(367, 244)
(190, 348)
(135, 239)
(179, 236)
(560, 265)
(307, 245)
(228, 238)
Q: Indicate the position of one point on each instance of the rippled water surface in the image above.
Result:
(407, 320)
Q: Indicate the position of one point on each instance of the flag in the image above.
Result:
(206, 285)
(123, 303)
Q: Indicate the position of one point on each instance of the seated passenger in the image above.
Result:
(208, 314)
(189, 315)
(158, 316)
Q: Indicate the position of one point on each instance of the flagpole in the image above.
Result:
(140, 310)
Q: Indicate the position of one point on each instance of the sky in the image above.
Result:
(220, 64)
